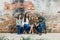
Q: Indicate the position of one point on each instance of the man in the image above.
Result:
(41, 24)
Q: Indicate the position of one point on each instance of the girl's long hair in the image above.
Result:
(18, 16)
(25, 17)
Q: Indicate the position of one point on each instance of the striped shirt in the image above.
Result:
(18, 22)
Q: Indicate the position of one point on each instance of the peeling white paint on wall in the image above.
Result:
(47, 6)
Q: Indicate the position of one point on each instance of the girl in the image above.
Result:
(19, 24)
(31, 24)
(26, 23)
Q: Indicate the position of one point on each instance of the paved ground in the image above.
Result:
(48, 36)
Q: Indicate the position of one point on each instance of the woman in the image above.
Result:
(19, 24)
(31, 24)
(26, 23)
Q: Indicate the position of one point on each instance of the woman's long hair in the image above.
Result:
(25, 17)
(18, 16)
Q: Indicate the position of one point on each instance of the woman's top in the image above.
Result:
(18, 22)
(31, 21)
(27, 21)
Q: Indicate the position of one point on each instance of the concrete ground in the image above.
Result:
(14, 36)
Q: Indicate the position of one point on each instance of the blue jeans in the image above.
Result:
(41, 27)
(26, 27)
(20, 29)
(36, 27)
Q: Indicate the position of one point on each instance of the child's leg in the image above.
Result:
(19, 29)
(36, 28)
(27, 28)
(45, 31)
(40, 28)
(31, 29)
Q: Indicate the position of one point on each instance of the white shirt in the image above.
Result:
(27, 21)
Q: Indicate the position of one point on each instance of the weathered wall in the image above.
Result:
(50, 9)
